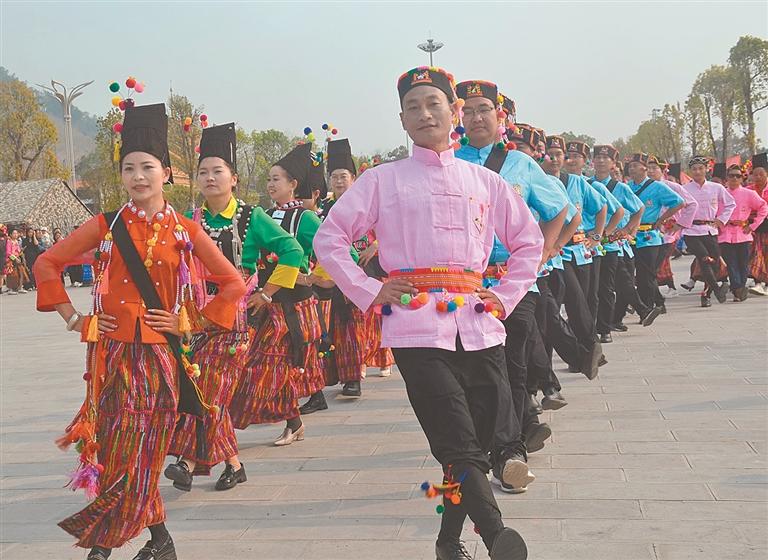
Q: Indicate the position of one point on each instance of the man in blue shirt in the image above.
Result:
(617, 245)
(655, 196)
(578, 153)
(483, 117)
(573, 284)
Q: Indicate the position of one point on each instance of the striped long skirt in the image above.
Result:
(758, 257)
(270, 383)
(220, 356)
(134, 425)
(349, 339)
(376, 356)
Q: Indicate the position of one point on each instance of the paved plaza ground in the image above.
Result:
(662, 457)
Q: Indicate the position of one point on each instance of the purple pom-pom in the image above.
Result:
(386, 309)
(479, 307)
(189, 246)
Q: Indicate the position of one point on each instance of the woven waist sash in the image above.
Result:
(645, 227)
(740, 223)
(703, 222)
(436, 279)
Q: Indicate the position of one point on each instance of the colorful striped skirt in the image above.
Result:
(134, 426)
(376, 356)
(664, 274)
(758, 257)
(721, 273)
(348, 337)
(270, 383)
(220, 370)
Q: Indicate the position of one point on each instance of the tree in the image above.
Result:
(401, 152)
(182, 141)
(573, 137)
(749, 60)
(27, 135)
(694, 124)
(100, 170)
(256, 152)
(714, 87)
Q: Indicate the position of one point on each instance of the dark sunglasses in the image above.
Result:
(734, 175)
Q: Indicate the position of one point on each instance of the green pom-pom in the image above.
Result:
(500, 145)
(440, 509)
(114, 87)
(464, 140)
(232, 350)
(405, 299)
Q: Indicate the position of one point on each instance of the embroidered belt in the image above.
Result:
(703, 222)
(740, 223)
(577, 238)
(645, 227)
(456, 280)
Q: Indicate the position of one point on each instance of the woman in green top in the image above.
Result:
(224, 355)
(288, 331)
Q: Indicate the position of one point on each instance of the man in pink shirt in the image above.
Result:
(736, 236)
(715, 207)
(758, 257)
(673, 226)
(435, 217)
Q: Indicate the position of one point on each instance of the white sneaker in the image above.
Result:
(759, 290)
(22, 291)
(77, 284)
(13, 293)
(385, 371)
(671, 292)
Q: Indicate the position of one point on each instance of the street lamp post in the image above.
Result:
(66, 98)
(430, 47)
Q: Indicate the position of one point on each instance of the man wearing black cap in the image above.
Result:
(435, 217)
(572, 287)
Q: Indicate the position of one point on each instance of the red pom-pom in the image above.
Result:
(86, 376)
(117, 127)
(203, 117)
(511, 146)
(204, 124)
(186, 128)
(442, 306)
(121, 105)
(197, 149)
(488, 307)
(103, 256)
(334, 131)
(100, 468)
(181, 245)
(130, 83)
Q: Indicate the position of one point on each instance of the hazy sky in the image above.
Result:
(592, 67)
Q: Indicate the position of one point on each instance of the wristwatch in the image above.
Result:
(595, 236)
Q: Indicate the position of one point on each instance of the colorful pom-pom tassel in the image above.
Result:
(184, 324)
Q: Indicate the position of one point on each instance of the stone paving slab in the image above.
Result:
(662, 457)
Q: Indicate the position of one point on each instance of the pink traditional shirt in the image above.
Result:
(714, 204)
(763, 194)
(747, 202)
(684, 216)
(432, 210)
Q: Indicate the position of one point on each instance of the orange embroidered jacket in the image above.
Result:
(122, 299)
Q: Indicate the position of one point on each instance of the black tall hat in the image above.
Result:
(145, 129)
(674, 170)
(719, 171)
(220, 141)
(296, 163)
(316, 181)
(760, 160)
(340, 156)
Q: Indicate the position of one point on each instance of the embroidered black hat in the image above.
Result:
(145, 129)
(525, 133)
(605, 150)
(220, 141)
(579, 148)
(340, 156)
(478, 88)
(427, 76)
(638, 157)
(555, 142)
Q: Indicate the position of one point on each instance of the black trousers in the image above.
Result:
(521, 328)
(577, 285)
(626, 292)
(541, 376)
(606, 292)
(736, 256)
(707, 252)
(645, 275)
(558, 334)
(459, 398)
(593, 294)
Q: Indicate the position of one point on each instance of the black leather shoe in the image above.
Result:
(606, 338)
(722, 292)
(619, 327)
(352, 389)
(452, 551)
(509, 545)
(511, 474)
(315, 403)
(603, 361)
(553, 400)
(573, 369)
(99, 553)
(180, 475)
(705, 301)
(535, 436)
(533, 405)
(663, 309)
(150, 551)
(231, 477)
(591, 360)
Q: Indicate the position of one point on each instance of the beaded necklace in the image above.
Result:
(210, 230)
(290, 205)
